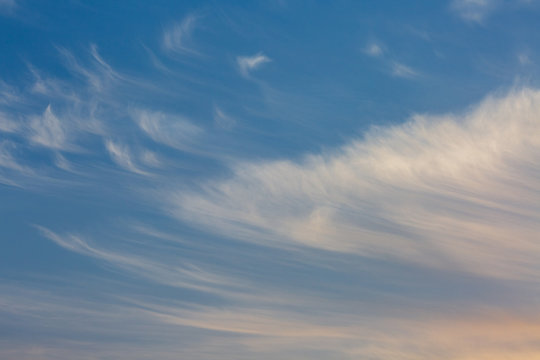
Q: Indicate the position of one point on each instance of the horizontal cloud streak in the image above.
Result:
(158, 270)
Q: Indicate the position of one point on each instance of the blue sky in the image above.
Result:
(269, 180)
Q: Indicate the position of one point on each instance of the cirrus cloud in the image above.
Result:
(441, 191)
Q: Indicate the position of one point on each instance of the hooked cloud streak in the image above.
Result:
(436, 190)
(246, 64)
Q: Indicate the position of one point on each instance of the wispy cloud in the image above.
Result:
(8, 94)
(373, 49)
(395, 68)
(470, 176)
(121, 155)
(99, 75)
(6, 157)
(75, 328)
(11, 168)
(162, 270)
(524, 58)
(7, 124)
(402, 70)
(47, 130)
(246, 64)
(171, 130)
(177, 38)
(474, 10)
(149, 158)
(223, 120)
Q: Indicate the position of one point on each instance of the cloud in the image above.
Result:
(7, 124)
(395, 68)
(149, 158)
(11, 168)
(373, 49)
(8, 94)
(122, 156)
(99, 75)
(171, 130)
(403, 71)
(163, 270)
(439, 191)
(6, 158)
(75, 328)
(246, 64)
(524, 59)
(177, 38)
(223, 120)
(47, 130)
(474, 10)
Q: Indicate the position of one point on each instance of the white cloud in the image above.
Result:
(246, 64)
(161, 270)
(177, 37)
(171, 130)
(474, 10)
(47, 130)
(438, 191)
(122, 156)
(404, 71)
(373, 49)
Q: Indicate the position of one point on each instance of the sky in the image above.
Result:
(268, 180)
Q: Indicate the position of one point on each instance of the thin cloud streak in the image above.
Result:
(403, 71)
(121, 155)
(173, 274)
